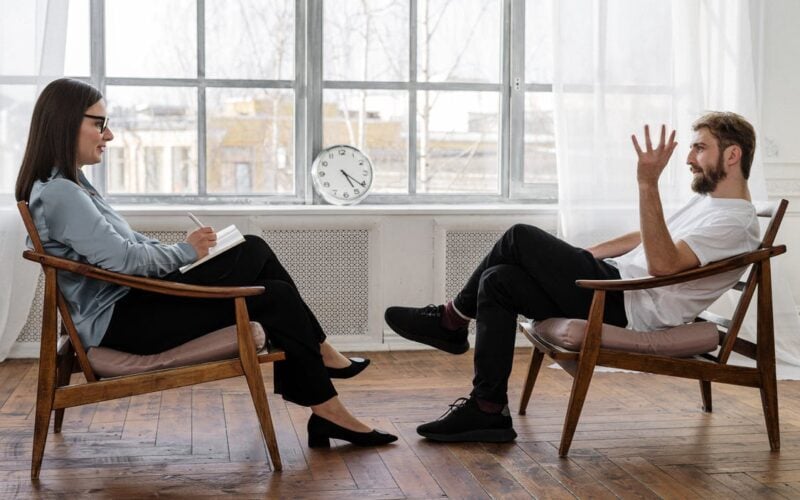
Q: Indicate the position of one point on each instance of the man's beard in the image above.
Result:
(707, 182)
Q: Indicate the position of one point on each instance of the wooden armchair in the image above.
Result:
(704, 366)
(59, 353)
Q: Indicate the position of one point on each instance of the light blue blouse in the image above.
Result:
(76, 223)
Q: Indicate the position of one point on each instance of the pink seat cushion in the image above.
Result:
(680, 341)
(214, 346)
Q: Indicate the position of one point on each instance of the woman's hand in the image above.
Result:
(202, 239)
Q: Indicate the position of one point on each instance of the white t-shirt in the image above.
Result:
(714, 229)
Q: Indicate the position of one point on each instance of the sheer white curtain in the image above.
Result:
(32, 44)
(623, 63)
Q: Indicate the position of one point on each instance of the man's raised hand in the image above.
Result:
(653, 160)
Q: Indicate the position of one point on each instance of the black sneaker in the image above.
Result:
(423, 324)
(464, 421)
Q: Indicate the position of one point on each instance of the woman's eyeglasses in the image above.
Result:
(100, 126)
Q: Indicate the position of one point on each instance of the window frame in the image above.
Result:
(308, 87)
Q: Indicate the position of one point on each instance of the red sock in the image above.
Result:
(451, 320)
(489, 406)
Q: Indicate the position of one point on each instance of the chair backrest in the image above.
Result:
(729, 340)
(67, 324)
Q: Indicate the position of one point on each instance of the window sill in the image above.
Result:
(357, 210)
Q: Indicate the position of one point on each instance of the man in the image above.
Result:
(530, 272)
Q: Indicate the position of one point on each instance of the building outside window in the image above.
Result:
(229, 101)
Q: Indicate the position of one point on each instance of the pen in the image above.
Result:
(195, 219)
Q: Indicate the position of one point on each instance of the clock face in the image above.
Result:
(342, 175)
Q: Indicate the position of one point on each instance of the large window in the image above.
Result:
(229, 100)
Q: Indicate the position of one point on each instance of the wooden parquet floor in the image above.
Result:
(640, 436)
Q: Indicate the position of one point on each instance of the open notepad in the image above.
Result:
(226, 239)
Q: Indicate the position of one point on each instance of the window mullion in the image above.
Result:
(412, 98)
(516, 132)
(313, 115)
(505, 98)
(97, 61)
(202, 187)
(301, 119)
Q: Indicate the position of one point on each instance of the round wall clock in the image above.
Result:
(342, 175)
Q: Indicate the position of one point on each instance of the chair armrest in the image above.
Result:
(717, 267)
(142, 283)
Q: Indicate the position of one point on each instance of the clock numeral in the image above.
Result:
(356, 191)
(346, 195)
(361, 163)
(326, 184)
(322, 174)
(335, 191)
(330, 155)
(341, 151)
(365, 172)
(324, 163)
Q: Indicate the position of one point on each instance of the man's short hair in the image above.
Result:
(730, 129)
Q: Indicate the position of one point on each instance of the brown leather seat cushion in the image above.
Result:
(680, 341)
(214, 346)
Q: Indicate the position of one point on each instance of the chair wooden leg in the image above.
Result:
(63, 374)
(583, 377)
(769, 402)
(580, 386)
(47, 374)
(765, 357)
(257, 391)
(252, 373)
(533, 371)
(44, 406)
(705, 391)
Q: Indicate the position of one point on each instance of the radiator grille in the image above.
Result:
(31, 332)
(331, 270)
(463, 252)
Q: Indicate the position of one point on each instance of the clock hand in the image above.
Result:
(347, 177)
(361, 183)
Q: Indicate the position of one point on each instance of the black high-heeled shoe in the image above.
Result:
(320, 431)
(356, 366)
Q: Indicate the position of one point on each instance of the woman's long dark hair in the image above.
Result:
(53, 136)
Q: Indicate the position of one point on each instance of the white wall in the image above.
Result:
(779, 137)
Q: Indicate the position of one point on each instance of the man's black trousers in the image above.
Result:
(533, 273)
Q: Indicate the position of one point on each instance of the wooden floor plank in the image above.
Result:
(109, 416)
(208, 423)
(291, 448)
(448, 471)
(175, 418)
(22, 399)
(78, 418)
(566, 471)
(613, 477)
(12, 372)
(661, 483)
(748, 487)
(530, 474)
(407, 470)
(141, 420)
(640, 436)
(365, 466)
(243, 429)
(704, 485)
(492, 476)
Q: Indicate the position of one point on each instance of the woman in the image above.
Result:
(69, 129)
